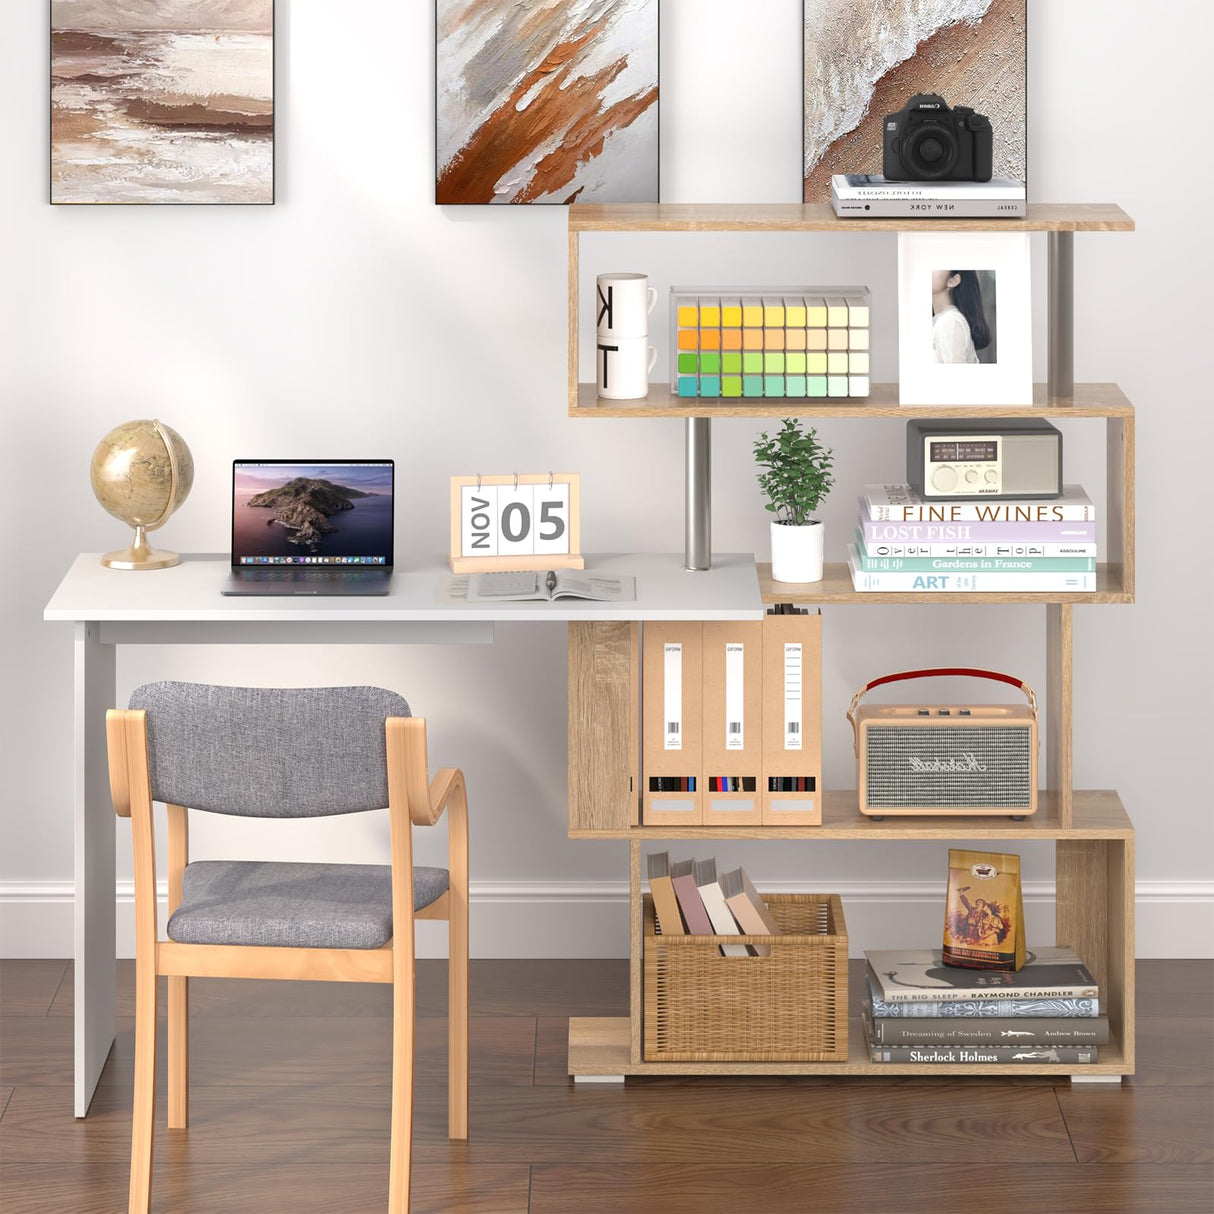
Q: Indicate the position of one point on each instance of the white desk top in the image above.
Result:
(189, 593)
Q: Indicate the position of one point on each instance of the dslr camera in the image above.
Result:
(927, 141)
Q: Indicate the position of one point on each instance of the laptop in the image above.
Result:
(317, 527)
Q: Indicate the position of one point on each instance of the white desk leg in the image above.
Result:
(95, 689)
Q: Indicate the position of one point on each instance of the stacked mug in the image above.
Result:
(624, 356)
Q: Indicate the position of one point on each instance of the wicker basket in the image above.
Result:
(790, 1006)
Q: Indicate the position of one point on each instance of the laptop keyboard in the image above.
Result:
(346, 574)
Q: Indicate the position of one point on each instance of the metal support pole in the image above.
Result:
(697, 529)
(1062, 315)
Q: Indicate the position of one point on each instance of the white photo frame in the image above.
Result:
(938, 345)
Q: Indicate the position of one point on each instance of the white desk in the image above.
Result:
(182, 605)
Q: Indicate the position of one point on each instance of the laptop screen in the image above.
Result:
(296, 512)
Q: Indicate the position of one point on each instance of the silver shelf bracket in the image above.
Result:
(697, 528)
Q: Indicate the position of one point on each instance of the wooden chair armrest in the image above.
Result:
(120, 772)
(409, 774)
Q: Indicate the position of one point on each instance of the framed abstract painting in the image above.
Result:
(546, 101)
(865, 59)
(162, 101)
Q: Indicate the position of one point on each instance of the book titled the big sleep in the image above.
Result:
(919, 975)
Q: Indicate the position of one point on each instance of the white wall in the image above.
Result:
(356, 319)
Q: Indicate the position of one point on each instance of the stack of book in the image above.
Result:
(920, 1010)
(903, 542)
(871, 196)
(690, 899)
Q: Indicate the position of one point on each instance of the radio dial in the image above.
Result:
(991, 476)
(944, 478)
(971, 476)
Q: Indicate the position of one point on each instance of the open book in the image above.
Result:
(545, 587)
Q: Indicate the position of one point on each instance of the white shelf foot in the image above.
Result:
(1096, 1078)
(598, 1079)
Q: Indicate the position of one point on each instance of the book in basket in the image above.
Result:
(919, 975)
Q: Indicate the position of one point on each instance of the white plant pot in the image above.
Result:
(796, 552)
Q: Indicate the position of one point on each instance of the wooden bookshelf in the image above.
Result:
(818, 217)
(1089, 400)
(601, 1046)
(1095, 814)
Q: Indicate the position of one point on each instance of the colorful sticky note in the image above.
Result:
(837, 385)
(752, 339)
(731, 339)
(773, 313)
(710, 339)
(688, 364)
(794, 339)
(689, 339)
(836, 312)
(836, 339)
(752, 385)
(794, 385)
(773, 364)
(794, 364)
(858, 339)
(857, 364)
(815, 314)
(731, 314)
(815, 364)
(752, 313)
(710, 385)
(773, 339)
(731, 385)
(752, 362)
(794, 313)
(815, 385)
(688, 385)
(815, 339)
(710, 363)
(689, 316)
(773, 385)
(731, 364)
(710, 316)
(836, 364)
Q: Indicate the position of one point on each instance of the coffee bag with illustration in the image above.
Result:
(984, 913)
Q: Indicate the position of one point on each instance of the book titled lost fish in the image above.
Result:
(919, 975)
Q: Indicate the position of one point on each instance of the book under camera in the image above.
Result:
(851, 186)
(866, 196)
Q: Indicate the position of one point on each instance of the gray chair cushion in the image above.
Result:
(293, 905)
(267, 752)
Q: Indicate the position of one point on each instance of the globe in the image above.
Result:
(141, 472)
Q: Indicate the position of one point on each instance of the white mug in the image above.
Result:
(624, 364)
(622, 305)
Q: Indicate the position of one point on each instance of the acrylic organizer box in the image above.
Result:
(782, 342)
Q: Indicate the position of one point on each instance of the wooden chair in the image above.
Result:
(294, 753)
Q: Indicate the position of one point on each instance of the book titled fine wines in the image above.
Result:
(901, 504)
(918, 975)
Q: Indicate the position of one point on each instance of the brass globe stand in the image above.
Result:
(140, 554)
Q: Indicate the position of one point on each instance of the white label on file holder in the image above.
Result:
(672, 691)
(792, 696)
(735, 673)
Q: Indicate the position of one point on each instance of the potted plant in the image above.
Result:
(797, 476)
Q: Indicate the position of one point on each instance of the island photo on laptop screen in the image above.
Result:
(295, 513)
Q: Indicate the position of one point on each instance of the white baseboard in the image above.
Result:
(590, 919)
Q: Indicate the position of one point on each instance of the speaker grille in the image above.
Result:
(994, 767)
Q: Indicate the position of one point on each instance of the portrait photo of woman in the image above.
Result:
(963, 316)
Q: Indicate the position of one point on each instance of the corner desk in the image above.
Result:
(183, 606)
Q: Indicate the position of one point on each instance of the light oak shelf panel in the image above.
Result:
(818, 217)
(1089, 400)
(1096, 814)
(602, 1046)
(836, 587)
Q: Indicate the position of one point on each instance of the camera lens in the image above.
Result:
(930, 151)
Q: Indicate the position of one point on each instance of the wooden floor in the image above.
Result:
(290, 1113)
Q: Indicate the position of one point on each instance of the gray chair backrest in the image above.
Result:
(264, 752)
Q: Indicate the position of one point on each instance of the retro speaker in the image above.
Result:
(946, 758)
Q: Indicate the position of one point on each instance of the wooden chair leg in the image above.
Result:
(457, 1014)
(145, 1088)
(400, 1149)
(179, 1053)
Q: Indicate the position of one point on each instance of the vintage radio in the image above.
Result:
(960, 459)
(946, 758)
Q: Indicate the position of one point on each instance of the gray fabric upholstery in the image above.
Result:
(268, 752)
(293, 905)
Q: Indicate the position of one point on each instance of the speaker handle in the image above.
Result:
(938, 672)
